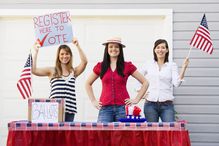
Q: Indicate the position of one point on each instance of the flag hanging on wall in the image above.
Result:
(201, 38)
(24, 83)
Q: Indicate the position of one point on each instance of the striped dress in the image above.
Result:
(64, 87)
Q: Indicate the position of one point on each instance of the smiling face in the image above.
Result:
(64, 56)
(161, 50)
(113, 49)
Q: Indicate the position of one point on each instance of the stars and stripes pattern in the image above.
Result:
(24, 83)
(27, 125)
(201, 38)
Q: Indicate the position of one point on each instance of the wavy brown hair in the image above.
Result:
(58, 69)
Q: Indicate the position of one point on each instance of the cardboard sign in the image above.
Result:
(46, 110)
(53, 29)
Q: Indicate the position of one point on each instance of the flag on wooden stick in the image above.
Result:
(201, 38)
(24, 83)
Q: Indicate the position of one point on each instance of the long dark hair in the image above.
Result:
(106, 62)
(157, 42)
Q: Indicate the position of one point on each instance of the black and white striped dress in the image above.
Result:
(64, 87)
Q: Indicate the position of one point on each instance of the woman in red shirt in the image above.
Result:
(114, 72)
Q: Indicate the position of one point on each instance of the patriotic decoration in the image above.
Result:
(132, 114)
(27, 125)
(201, 38)
(132, 110)
(24, 83)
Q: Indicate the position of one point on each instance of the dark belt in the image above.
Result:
(164, 102)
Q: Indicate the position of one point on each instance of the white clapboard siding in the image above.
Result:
(197, 90)
(185, 18)
(201, 72)
(198, 128)
(202, 137)
(200, 118)
(190, 26)
(197, 100)
(204, 63)
(204, 143)
(177, 35)
(197, 109)
(195, 54)
(201, 81)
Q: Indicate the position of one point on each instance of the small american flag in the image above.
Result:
(24, 83)
(201, 38)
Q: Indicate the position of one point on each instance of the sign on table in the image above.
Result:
(46, 110)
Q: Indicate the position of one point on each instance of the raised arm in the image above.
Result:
(89, 89)
(177, 78)
(35, 70)
(142, 90)
(184, 67)
(80, 68)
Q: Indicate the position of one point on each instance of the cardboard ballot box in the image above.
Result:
(46, 110)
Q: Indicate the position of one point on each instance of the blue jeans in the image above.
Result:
(69, 117)
(154, 110)
(111, 113)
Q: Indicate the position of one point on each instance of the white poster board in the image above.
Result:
(53, 29)
(45, 112)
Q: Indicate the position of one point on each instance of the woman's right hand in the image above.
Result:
(97, 104)
(36, 46)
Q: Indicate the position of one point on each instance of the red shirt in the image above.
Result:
(114, 90)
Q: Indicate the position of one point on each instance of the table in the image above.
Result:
(24, 133)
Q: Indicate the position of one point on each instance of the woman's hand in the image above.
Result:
(185, 63)
(75, 41)
(36, 46)
(183, 70)
(131, 101)
(97, 104)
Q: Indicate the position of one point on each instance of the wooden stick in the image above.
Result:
(189, 52)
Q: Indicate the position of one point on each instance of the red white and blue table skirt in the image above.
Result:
(24, 133)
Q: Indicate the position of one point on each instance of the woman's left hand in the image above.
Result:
(185, 63)
(75, 41)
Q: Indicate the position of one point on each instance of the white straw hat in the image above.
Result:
(114, 40)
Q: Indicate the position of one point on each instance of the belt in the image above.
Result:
(163, 102)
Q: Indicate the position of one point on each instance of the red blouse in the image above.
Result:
(114, 90)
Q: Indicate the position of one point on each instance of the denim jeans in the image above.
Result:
(69, 117)
(154, 110)
(111, 113)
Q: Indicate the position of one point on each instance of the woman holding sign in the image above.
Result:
(62, 76)
(114, 72)
(162, 75)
